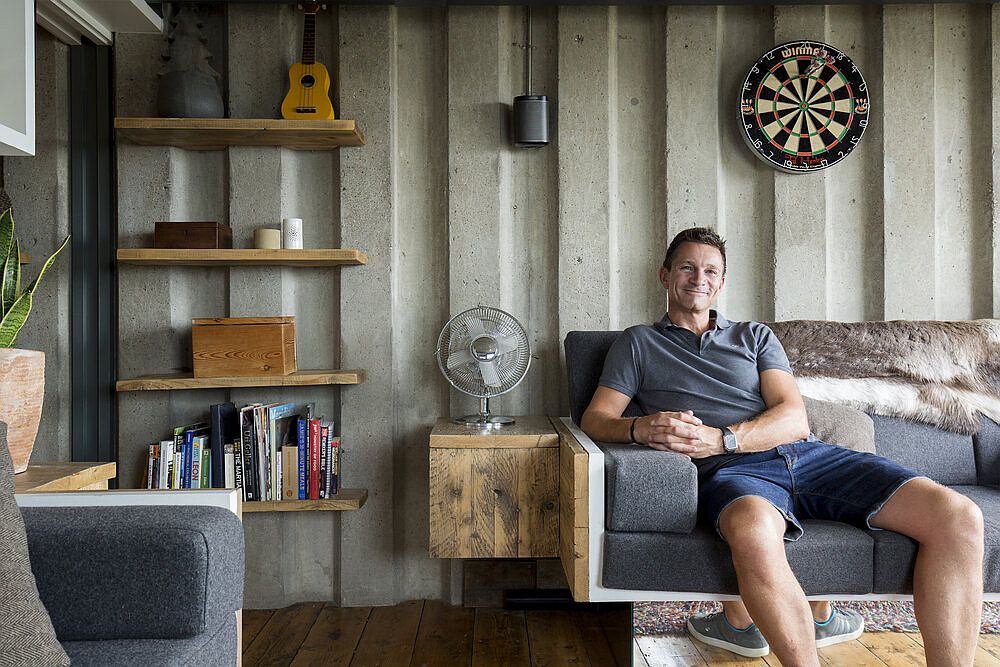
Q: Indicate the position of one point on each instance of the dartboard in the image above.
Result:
(804, 106)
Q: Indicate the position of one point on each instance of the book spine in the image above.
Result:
(229, 479)
(195, 474)
(335, 450)
(301, 439)
(314, 438)
(175, 482)
(249, 483)
(290, 472)
(151, 467)
(206, 466)
(324, 458)
(238, 469)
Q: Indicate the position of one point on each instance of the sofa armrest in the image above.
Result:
(136, 572)
(649, 490)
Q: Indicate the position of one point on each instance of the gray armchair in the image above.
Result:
(140, 585)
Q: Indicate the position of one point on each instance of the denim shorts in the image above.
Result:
(808, 479)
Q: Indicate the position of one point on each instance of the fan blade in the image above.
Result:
(506, 344)
(489, 371)
(459, 358)
(474, 326)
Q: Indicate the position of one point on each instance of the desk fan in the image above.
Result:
(483, 352)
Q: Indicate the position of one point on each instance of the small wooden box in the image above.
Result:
(228, 346)
(192, 235)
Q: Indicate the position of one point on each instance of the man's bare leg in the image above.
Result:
(739, 617)
(948, 576)
(755, 532)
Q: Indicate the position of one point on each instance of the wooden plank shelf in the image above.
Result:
(347, 499)
(188, 381)
(207, 134)
(242, 257)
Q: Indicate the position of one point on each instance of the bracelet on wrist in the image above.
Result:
(631, 431)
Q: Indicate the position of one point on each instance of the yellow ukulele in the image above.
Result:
(309, 83)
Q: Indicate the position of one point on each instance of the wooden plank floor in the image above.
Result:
(429, 633)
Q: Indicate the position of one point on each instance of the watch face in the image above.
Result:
(804, 106)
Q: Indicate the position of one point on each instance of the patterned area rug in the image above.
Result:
(668, 618)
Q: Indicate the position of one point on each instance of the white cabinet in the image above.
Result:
(70, 20)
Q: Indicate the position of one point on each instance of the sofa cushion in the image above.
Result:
(217, 647)
(987, 450)
(585, 353)
(945, 457)
(840, 425)
(895, 554)
(649, 490)
(700, 562)
(26, 633)
(177, 570)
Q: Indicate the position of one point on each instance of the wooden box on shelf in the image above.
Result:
(243, 346)
(494, 493)
(211, 235)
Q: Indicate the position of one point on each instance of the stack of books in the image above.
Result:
(275, 451)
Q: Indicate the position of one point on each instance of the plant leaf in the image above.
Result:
(6, 241)
(14, 319)
(11, 277)
(45, 267)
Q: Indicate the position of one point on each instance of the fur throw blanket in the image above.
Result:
(940, 373)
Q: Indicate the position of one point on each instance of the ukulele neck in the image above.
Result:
(309, 40)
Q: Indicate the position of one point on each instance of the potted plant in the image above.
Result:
(22, 372)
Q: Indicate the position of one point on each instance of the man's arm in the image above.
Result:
(784, 420)
(602, 420)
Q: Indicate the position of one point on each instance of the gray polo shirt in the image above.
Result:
(716, 375)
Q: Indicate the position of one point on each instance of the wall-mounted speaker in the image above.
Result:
(530, 123)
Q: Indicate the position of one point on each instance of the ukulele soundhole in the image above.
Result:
(308, 81)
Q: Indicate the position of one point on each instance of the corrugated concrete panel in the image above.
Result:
(587, 118)
(642, 173)
(995, 155)
(692, 118)
(39, 190)
(369, 218)
(962, 185)
(533, 290)
(800, 222)
(420, 280)
(854, 192)
(911, 234)
(746, 186)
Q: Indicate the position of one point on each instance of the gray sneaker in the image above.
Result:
(842, 626)
(715, 630)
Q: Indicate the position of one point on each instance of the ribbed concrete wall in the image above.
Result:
(39, 190)
(564, 238)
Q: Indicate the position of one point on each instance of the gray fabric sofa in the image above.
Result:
(154, 585)
(650, 542)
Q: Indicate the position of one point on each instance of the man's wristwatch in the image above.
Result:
(729, 444)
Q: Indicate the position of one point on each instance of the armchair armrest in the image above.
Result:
(133, 572)
(649, 490)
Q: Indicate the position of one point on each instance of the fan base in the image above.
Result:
(489, 421)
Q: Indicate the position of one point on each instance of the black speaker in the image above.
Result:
(531, 121)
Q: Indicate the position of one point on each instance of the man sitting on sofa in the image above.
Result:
(723, 394)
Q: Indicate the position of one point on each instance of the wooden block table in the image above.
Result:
(494, 493)
(64, 476)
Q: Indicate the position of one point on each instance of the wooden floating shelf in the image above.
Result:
(347, 499)
(208, 134)
(188, 381)
(242, 257)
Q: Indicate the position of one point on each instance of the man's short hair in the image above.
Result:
(703, 235)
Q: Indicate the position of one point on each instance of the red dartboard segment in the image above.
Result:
(804, 106)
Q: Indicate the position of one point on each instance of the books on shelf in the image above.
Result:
(277, 451)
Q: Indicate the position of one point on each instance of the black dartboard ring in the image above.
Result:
(803, 106)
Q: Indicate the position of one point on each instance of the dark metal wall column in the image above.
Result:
(94, 228)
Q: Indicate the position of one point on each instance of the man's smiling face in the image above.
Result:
(695, 278)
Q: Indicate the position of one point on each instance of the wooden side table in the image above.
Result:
(64, 476)
(494, 493)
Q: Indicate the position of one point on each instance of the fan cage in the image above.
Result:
(511, 367)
